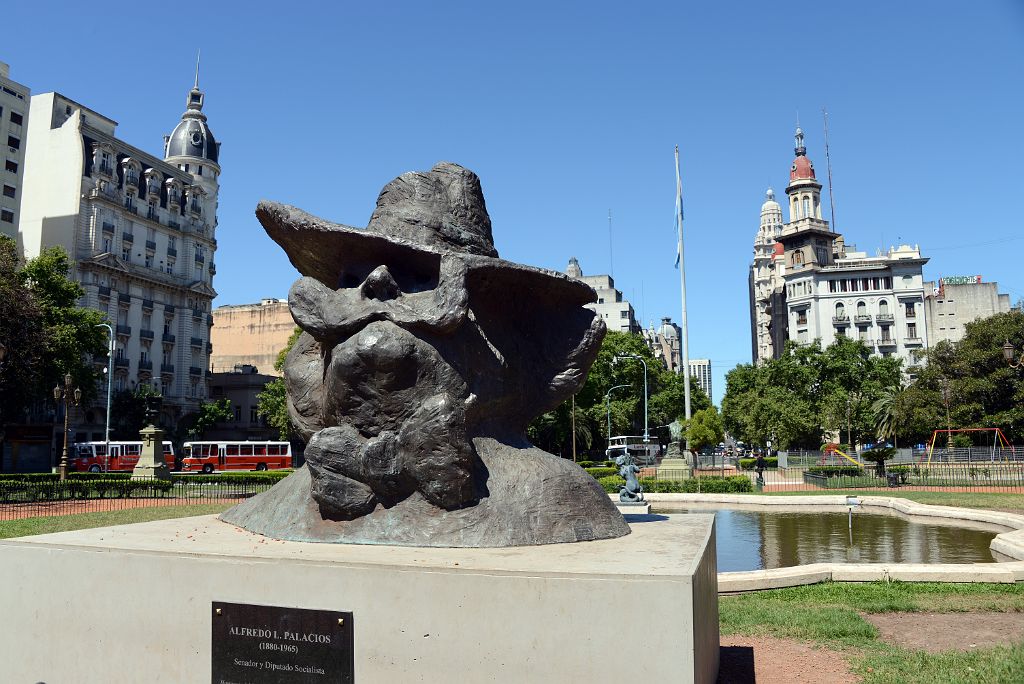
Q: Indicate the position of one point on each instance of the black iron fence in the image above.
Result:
(36, 495)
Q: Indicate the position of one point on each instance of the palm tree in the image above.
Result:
(888, 410)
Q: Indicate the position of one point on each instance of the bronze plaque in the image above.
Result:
(258, 644)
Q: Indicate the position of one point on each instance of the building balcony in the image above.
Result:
(200, 258)
(121, 362)
(108, 227)
(196, 342)
(104, 292)
(213, 268)
(887, 342)
(195, 370)
(171, 223)
(168, 338)
(146, 334)
(124, 298)
(106, 168)
(884, 317)
(145, 364)
(841, 320)
(153, 216)
(109, 195)
(171, 252)
(127, 237)
(131, 208)
(911, 314)
(166, 368)
(147, 304)
(124, 330)
(197, 314)
(862, 319)
(151, 245)
(916, 341)
(169, 309)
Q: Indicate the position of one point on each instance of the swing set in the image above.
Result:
(998, 441)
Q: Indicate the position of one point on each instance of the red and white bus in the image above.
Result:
(93, 457)
(210, 456)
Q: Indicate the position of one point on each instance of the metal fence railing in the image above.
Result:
(34, 498)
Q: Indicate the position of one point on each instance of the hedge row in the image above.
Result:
(80, 489)
(749, 463)
(236, 477)
(598, 473)
(596, 464)
(710, 484)
(53, 477)
(836, 471)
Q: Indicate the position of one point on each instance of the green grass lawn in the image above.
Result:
(830, 614)
(1013, 503)
(81, 521)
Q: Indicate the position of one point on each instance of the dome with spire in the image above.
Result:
(192, 137)
(802, 168)
(770, 205)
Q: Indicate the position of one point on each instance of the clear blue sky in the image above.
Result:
(567, 110)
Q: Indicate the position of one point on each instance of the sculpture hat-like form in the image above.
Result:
(419, 217)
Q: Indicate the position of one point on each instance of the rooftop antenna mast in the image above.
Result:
(611, 260)
(828, 163)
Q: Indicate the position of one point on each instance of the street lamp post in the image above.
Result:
(1010, 353)
(110, 384)
(608, 405)
(70, 397)
(647, 437)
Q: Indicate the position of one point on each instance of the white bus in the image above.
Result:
(643, 453)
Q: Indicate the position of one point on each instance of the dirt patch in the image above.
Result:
(934, 632)
(767, 660)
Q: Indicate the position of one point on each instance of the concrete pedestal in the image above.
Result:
(152, 464)
(643, 607)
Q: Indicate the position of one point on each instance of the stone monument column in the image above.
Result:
(151, 461)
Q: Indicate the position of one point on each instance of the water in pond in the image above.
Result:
(756, 540)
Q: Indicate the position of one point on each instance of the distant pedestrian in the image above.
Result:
(759, 466)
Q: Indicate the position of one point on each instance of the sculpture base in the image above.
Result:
(156, 472)
(534, 498)
(642, 608)
(633, 507)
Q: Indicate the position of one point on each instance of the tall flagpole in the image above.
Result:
(682, 289)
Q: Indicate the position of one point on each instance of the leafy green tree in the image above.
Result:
(72, 335)
(45, 333)
(272, 402)
(22, 334)
(194, 425)
(809, 391)
(704, 429)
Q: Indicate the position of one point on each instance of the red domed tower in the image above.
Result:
(804, 190)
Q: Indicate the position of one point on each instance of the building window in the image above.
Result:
(801, 317)
(910, 311)
(253, 418)
(9, 190)
(149, 259)
(12, 166)
(886, 337)
(912, 330)
(798, 258)
(16, 118)
(623, 314)
(807, 206)
(170, 266)
(6, 215)
(13, 142)
(862, 309)
(126, 255)
(883, 308)
(238, 414)
(107, 246)
(840, 310)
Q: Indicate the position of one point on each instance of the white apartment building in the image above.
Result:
(14, 110)
(701, 370)
(140, 230)
(828, 290)
(616, 311)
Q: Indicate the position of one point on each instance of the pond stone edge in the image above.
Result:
(1009, 543)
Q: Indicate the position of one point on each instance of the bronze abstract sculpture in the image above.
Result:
(422, 360)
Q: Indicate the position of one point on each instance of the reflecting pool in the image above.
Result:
(756, 539)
